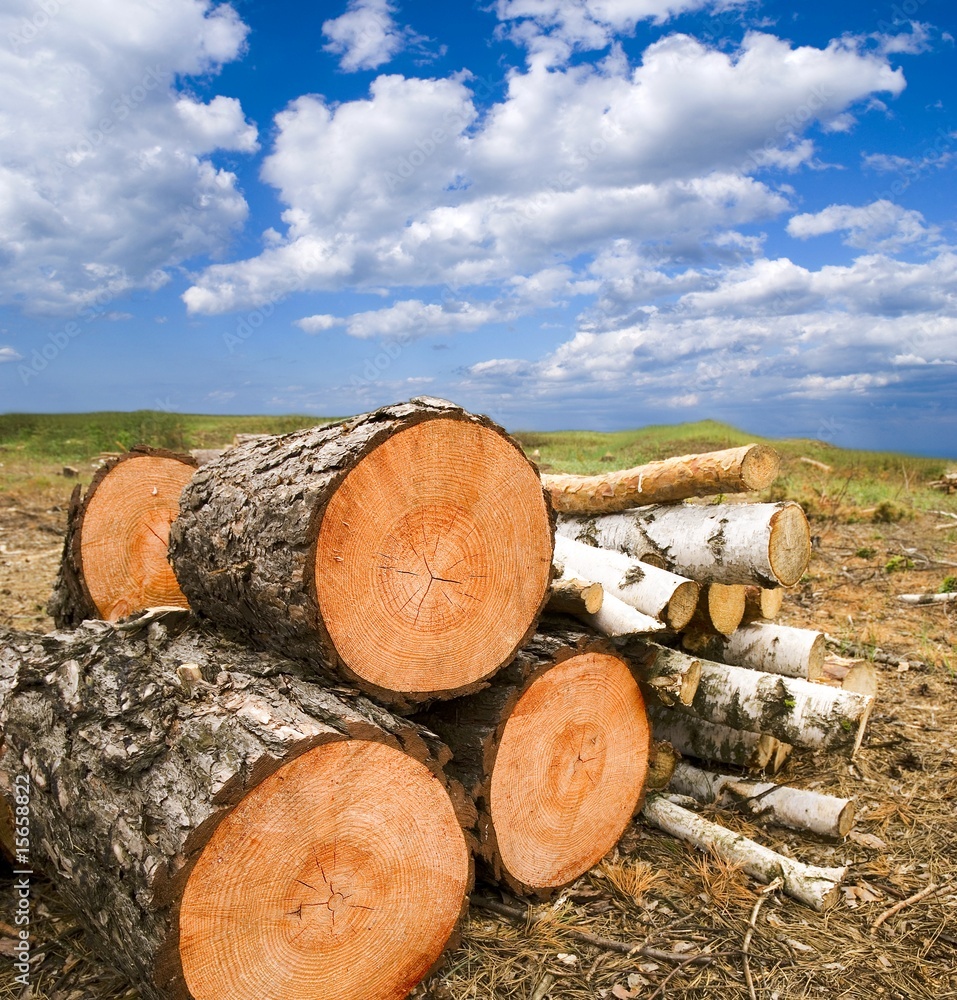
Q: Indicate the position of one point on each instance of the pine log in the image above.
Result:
(797, 712)
(571, 596)
(816, 887)
(229, 830)
(720, 609)
(708, 741)
(762, 603)
(655, 592)
(796, 808)
(556, 755)
(669, 674)
(761, 544)
(408, 550)
(114, 556)
(775, 649)
(751, 467)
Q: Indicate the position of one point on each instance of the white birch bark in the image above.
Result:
(653, 591)
(764, 544)
(797, 808)
(809, 884)
(776, 649)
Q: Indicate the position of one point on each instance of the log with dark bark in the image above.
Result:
(407, 550)
(555, 753)
(751, 467)
(227, 829)
(669, 674)
(571, 596)
(708, 741)
(761, 544)
(114, 557)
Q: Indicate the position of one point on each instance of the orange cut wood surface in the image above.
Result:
(125, 534)
(434, 557)
(343, 875)
(570, 769)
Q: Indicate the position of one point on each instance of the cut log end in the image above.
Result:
(433, 558)
(681, 607)
(125, 534)
(569, 771)
(356, 852)
(759, 467)
(720, 608)
(762, 603)
(789, 545)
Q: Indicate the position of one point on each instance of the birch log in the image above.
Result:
(615, 618)
(809, 884)
(708, 741)
(761, 544)
(797, 808)
(571, 596)
(720, 608)
(670, 674)
(751, 467)
(851, 675)
(664, 759)
(762, 603)
(555, 753)
(775, 649)
(115, 552)
(408, 550)
(229, 830)
(797, 712)
(655, 592)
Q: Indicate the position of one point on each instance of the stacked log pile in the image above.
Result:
(312, 679)
(741, 690)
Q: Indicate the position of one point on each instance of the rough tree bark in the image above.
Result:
(653, 591)
(776, 649)
(555, 753)
(114, 556)
(571, 596)
(796, 808)
(751, 467)
(669, 674)
(408, 550)
(229, 830)
(763, 544)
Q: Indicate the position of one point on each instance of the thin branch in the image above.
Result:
(897, 907)
(745, 954)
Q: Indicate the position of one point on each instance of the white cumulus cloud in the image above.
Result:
(109, 182)
(413, 186)
(881, 226)
(365, 36)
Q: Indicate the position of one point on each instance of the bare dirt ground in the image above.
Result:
(652, 890)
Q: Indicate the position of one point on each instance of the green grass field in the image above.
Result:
(33, 447)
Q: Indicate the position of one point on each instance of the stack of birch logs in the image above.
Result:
(298, 689)
(689, 591)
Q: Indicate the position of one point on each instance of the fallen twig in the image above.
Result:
(927, 598)
(897, 907)
(765, 892)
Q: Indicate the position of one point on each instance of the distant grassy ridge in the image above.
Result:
(35, 444)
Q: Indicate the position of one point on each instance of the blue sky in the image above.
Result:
(564, 213)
